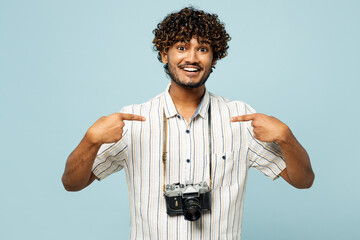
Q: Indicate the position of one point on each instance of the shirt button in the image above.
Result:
(223, 157)
(178, 116)
(188, 160)
(187, 131)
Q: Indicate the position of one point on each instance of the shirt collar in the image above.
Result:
(170, 109)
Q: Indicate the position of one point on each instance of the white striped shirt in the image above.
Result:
(234, 151)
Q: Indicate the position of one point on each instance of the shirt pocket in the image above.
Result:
(225, 168)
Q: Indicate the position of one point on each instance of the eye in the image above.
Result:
(203, 49)
(181, 48)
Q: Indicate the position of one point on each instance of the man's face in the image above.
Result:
(189, 63)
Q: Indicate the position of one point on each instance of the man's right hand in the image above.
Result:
(110, 129)
(78, 170)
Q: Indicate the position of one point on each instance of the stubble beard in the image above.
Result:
(174, 76)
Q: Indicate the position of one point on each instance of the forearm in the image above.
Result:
(298, 170)
(297, 161)
(79, 165)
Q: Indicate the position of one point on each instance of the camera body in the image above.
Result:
(187, 199)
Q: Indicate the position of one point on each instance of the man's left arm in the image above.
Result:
(298, 171)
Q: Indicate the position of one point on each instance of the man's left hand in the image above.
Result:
(266, 128)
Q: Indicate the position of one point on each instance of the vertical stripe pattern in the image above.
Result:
(234, 151)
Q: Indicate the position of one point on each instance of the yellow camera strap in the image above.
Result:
(164, 155)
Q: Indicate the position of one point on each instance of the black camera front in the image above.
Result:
(192, 209)
(189, 199)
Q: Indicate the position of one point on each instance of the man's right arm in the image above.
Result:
(78, 170)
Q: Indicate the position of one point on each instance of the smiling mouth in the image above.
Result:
(190, 68)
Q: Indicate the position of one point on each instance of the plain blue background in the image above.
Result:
(64, 64)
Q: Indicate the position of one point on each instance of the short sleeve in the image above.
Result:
(264, 156)
(111, 157)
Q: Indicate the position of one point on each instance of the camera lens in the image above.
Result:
(192, 209)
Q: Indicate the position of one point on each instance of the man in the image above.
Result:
(204, 138)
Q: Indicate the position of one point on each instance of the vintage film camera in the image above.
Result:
(189, 199)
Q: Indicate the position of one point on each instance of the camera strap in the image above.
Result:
(164, 155)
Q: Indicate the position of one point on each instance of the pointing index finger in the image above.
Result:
(132, 117)
(242, 118)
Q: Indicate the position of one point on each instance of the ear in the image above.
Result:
(164, 57)
(213, 63)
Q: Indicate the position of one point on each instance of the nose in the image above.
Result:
(192, 56)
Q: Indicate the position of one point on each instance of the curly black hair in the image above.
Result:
(189, 22)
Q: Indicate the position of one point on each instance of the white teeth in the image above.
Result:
(190, 69)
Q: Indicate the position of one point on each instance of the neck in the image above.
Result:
(186, 97)
(186, 100)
